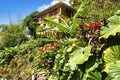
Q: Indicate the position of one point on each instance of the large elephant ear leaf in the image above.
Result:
(114, 71)
(79, 56)
(112, 54)
(113, 27)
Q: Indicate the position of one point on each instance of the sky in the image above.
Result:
(15, 10)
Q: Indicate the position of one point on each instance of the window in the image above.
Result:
(42, 17)
(53, 12)
(68, 13)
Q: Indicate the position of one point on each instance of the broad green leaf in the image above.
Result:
(108, 78)
(61, 27)
(75, 20)
(64, 27)
(113, 27)
(80, 10)
(91, 65)
(74, 27)
(106, 69)
(94, 75)
(90, 70)
(118, 13)
(70, 49)
(112, 54)
(79, 56)
(114, 71)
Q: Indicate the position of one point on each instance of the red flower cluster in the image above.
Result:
(48, 70)
(53, 48)
(51, 44)
(91, 25)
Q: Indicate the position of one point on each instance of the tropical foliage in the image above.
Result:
(12, 35)
(86, 51)
(69, 27)
(100, 8)
(31, 23)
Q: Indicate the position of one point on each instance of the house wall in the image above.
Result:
(66, 12)
(51, 13)
(63, 11)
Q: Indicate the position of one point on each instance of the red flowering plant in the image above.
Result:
(60, 35)
(46, 54)
(76, 56)
(91, 25)
(91, 34)
(51, 44)
(43, 56)
(95, 25)
(48, 70)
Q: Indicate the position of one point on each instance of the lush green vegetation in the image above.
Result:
(80, 50)
(31, 23)
(12, 35)
(97, 9)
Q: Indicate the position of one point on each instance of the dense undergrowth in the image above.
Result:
(86, 51)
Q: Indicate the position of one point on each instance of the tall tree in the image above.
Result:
(31, 23)
(12, 35)
(3, 26)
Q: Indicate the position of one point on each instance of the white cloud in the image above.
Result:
(45, 6)
(67, 2)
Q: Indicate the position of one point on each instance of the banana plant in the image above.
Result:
(72, 26)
